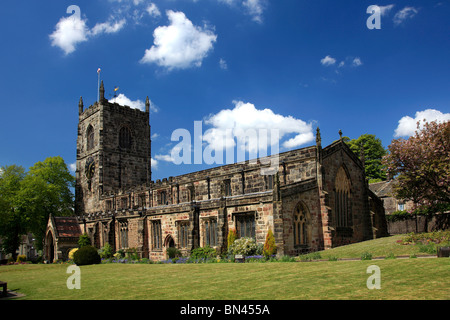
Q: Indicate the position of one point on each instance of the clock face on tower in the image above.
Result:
(89, 169)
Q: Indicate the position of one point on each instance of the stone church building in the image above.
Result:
(318, 199)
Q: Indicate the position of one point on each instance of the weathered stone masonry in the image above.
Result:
(317, 199)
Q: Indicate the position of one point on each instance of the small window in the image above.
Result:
(90, 137)
(124, 203)
(245, 225)
(269, 182)
(163, 198)
(210, 232)
(227, 185)
(401, 206)
(108, 205)
(125, 138)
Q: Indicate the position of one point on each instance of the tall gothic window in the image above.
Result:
(156, 234)
(183, 233)
(300, 225)
(342, 199)
(123, 234)
(125, 138)
(90, 138)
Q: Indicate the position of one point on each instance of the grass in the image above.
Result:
(382, 247)
(400, 279)
(424, 279)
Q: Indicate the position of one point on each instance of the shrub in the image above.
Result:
(231, 237)
(72, 252)
(366, 256)
(21, 258)
(310, 256)
(173, 253)
(244, 246)
(106, 252)
(132, 254)
(84, 240)
(269, 245)
(86, 255)
(203, 253)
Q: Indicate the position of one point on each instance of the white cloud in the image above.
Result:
(357, 62)
(107, 27)
(73, 167)
(223, 64)
(153, 10)
(164, 157)
(136, 104)
(384, 10)
(69, 32)
(404, 14)
(72, 30)
(154, 164)
(179, 45)
(328, 61)
(255, 8)
(228, 123)
(407, 125)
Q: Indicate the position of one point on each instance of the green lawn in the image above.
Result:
(412, 278)
(381, 247)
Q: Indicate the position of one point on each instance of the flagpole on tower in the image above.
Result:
(98, 85)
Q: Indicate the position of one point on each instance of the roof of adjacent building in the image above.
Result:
(67, 227)
(382, 189)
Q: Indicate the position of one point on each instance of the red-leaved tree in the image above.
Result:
(422, 166)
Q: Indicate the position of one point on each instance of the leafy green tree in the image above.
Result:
(84, 240)
(12, 217)
(373, 155)
(47, 189)
(28, 198)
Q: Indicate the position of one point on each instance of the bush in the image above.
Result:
(269, 245)
(106, 252)
(203, 253)
(86, 255)
(71, 253)
(244, 246)
(21, 258)
(366, 256)
(173, 253)
(84, 240)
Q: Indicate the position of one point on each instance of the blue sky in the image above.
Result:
(288, 64)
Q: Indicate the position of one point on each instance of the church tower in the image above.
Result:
(113, 151)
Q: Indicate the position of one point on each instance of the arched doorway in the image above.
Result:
(169, 243)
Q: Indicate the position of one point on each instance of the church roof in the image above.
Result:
(67, 227)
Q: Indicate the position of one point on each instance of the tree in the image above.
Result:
(27, 199)
(422, 163)
(47, 189)
(12, 221)
(373, 155)
(269, 245)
